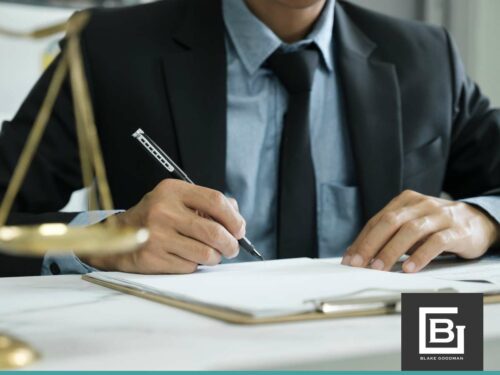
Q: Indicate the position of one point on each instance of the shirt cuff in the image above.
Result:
(489, 204)
(57, 264)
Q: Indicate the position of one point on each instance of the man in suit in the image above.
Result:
(334, 128)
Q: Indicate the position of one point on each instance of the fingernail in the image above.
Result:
(409, 267)
(357, 261)
(243, 230)
(237, 252)
(377, 265)
(346, 260)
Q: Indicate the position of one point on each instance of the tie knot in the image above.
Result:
(295, 70)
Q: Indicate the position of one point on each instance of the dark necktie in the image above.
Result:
(297, 183)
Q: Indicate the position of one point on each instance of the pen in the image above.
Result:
(159, 155)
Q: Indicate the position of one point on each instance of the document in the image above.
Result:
(282, 287)
(486, 270)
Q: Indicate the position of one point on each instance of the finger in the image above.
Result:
(193, 250)
(434, 246)
(202, 214)
(217, 206)
(152, 260)
(210, 233)
(234, 203)
(178, 265)
(401, 200)
(406, 237)
(382, 231)
(416, 246)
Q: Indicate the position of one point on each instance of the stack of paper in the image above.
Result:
(282, 287)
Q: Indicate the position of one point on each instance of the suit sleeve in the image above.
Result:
(54, 173)
(473, 171)
(474, 161)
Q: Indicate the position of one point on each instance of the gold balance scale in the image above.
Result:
(101, 239)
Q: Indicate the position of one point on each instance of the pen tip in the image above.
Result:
(258, 255)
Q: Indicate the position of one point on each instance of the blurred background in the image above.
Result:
(474, 25)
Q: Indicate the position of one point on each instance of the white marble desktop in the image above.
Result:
(76, 325)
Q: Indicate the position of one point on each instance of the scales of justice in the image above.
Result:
(100, 239)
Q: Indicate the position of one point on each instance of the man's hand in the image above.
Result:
(182, 235)
(424, 227)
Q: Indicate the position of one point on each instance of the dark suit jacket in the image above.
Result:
(415, 120)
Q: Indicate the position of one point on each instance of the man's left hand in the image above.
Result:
(423, 227)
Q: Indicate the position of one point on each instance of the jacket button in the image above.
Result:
(54, 268)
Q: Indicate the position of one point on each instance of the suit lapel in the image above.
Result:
(196, 85)
(373, 112)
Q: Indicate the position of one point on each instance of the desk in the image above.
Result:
(80, 326)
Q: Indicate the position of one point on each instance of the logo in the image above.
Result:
(447, 329)
(442, 331)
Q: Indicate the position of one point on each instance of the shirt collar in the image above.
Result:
(254, 42)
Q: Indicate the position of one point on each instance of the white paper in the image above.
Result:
(280, 287)
(483, 270)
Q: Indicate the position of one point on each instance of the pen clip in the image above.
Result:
(154, 150)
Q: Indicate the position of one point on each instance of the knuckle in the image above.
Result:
(371, 223)
(188, 267)
(204, 254)
(409, 194)
(449, 212)
(413, 226)
(432, 203)
(217, 199)
(390, 218)
(168, 183)
(217, 234)
(160, 215)
(440, 239)
(201, 229)
(155, 214)
(207, 255)
(195, 225)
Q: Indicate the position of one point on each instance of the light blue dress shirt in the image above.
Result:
(256, 105)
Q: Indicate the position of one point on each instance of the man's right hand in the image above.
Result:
(182, 235)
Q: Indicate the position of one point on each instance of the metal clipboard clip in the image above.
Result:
(355, 302)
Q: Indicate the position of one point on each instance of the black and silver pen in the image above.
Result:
(159, 155)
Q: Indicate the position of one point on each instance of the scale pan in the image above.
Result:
(15, 353)
(99, 239)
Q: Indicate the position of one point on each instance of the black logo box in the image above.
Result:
(470, 315)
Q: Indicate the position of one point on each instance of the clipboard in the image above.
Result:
(327, 309)
(237, 317)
